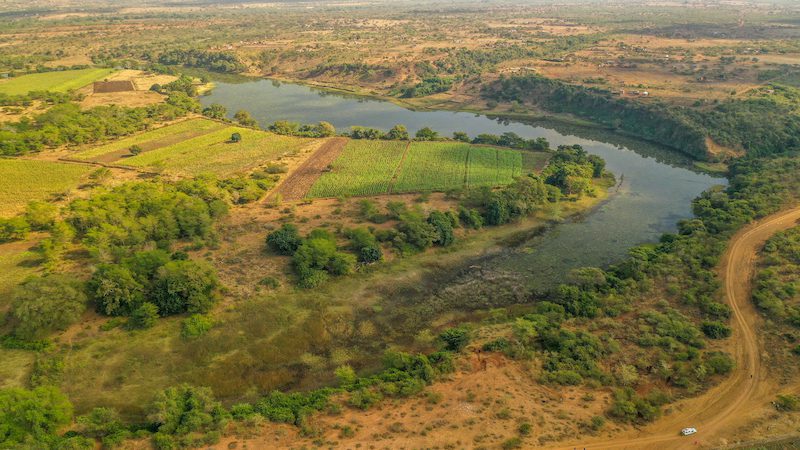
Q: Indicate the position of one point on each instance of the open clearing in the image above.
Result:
(60, 81)
(196, 146)
(383, 167)
(23, 180)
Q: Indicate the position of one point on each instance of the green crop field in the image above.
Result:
(431, 166)
(22, 181)
(363, 168)
(160, 137)
(214, 153)
(368, 167)
(61, 81)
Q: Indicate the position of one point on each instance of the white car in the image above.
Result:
(688, 431)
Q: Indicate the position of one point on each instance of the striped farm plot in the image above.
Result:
(368, 168)
(149, 140)
(363, 168)
(215, 153)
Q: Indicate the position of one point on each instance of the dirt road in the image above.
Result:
(746, 394)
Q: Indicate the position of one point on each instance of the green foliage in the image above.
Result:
(716, 330)
(292, 408)
(364, 244)
(455, 339)
(426, 134)
(630, 407)
(32, 418)
(184, 286)
(186, 412)
(132, 216)
(144, 316)
(443, 224)
(215, 111)
(40, 216)
(42, 305)
(195, 326)
(115, 290)
(428, 86)
(103, 424)
(285, 240)
(213, 61)
(14, 229)
(777, 283)
(397, 133)
(787, 402)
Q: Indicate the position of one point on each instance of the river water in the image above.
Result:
(656, 190)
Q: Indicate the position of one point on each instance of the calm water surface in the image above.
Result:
(656, 191)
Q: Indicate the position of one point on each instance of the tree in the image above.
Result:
(324, 129)
(244, 118)
(135, 150)
(236, 137)
(398, 133)
(14, 229)
(45, 304)
(31, 418)
(186, 409)
(215, 111)
(455, 339)
(461, 136)
(444, 228)
(184, 286)
(156, 88)
(426, 134)
(284, 240)
(115, 290)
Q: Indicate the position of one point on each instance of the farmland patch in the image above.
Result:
(22, 181)
(60, 81)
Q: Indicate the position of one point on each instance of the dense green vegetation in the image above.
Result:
(214, 61)
(68, 124)
(758, 125)
(777, 284)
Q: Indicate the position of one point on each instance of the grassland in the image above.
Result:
(381, 167)
(22, 181)
(61, 81)
(363, 168)
(196, 146)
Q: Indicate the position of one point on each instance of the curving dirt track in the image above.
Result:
(720, 411)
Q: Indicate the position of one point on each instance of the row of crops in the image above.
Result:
(379, 167)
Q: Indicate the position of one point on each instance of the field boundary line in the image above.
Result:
(397, 169)
(108, 166)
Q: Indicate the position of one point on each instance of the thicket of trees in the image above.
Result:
(653, 122)
(213, 61)
(66, 123)
(777, 283)
(760, 126)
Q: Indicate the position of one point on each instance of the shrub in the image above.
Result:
(40, 215)
(114, 290)
(144, 316)
(236, 137)
(13, 229)
(284, 240)
(186, 409)
(716, 330)
(196, 326)
(787, 402)
(455, 339)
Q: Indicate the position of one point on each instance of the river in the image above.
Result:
(656, 190)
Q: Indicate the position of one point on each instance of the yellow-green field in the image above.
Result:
(23, 180)
(61, 81)
(153, 139)
(381, 167)
(196, 146)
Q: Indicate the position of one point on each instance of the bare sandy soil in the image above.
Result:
(297, 184)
